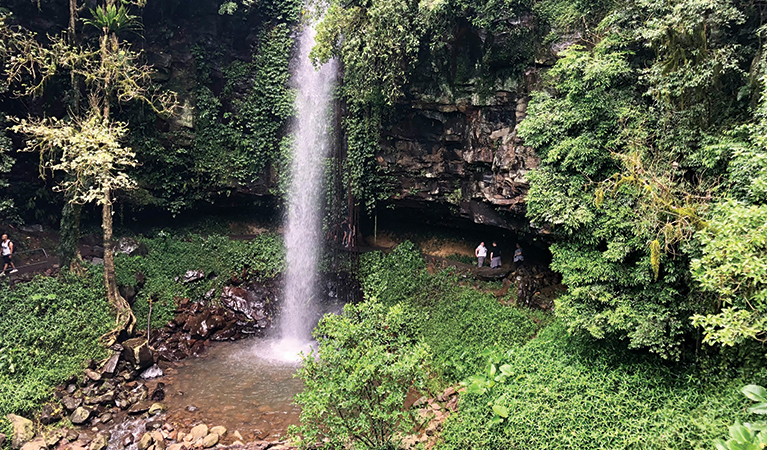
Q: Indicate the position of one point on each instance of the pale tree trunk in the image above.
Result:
(125, 321)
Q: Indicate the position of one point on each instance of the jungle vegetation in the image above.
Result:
(650, 119)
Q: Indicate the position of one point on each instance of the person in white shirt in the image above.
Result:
(480, 252)
(7, 249)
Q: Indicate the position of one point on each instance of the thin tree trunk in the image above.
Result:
(125, 321)
(69, 253)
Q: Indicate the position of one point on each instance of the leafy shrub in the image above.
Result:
(561, 391)
(748, 436)
(48, 329)
(355, 386)
(394, 277)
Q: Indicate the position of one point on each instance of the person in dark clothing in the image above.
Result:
(495, 256)
(519, 258)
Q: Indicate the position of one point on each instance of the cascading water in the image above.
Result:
(312, 134)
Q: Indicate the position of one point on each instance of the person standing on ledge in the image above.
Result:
(480, 252)
(495, 256)
(7, 247)
(519, 259)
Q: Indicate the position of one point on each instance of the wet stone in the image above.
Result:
(210, 440)
(198, 432)
(35, 444)
(23, 430)
(71, 403)
(80, 415)
(144, 442)
(99, 442)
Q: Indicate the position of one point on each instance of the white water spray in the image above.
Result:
(312, 133)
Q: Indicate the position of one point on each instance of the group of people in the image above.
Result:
(7, 250)
(495, 255)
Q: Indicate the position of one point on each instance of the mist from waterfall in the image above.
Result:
(312, 140)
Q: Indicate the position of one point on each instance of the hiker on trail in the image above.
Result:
(7, 247)
(519, 259)
(480, 253)
(495, 256)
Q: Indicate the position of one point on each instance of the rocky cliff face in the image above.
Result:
(461, 151)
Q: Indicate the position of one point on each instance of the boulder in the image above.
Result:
(71, 403)
(198, 432)
(35, 444)
(105, 399)
(156, 408)
(244, 301)
(219, 430)
(158, 394)
(23, 430)
(138, 353)
(145, 441)
(199, 325)
(159, 440)
(51, 439)
(51, 413)
(488, 274)
(93, 375)
(131, 247)
(210, 440)
(80, 415)
(192, 275)
(100, 442)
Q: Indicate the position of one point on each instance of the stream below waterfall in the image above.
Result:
(240, 385)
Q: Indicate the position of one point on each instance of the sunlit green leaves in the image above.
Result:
(355, 385)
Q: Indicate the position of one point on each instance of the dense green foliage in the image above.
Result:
(749, 435)
(171, 257)
(368, 361)
(39, 346)
(636, 140)
(567, 392)
(238, 130)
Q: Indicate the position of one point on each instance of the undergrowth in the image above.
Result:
(39, 346)
(458, 323)
(169, 258)
(566, 392)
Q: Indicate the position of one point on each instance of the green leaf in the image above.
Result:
(755, 393)
(740, 433)
(759, 408)
(501, 410)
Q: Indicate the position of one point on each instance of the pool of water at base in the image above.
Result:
(246, 386)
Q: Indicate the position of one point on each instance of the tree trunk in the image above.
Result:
(125, 321)
(69, 253)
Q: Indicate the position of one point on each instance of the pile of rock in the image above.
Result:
(434, 411)
(25, 438)
(199, 437)
(243, 312)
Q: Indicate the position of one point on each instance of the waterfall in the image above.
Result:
(312, 138)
